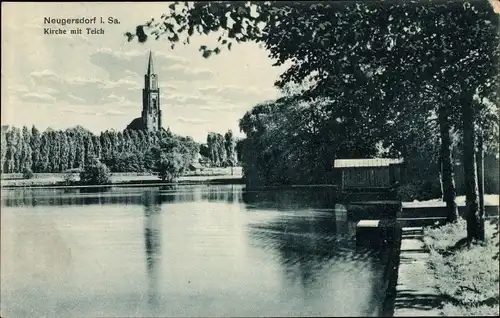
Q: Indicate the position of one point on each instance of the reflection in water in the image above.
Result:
(194, 250)
(152, 234)
(312, 244)
(343, 226)
(309, 251)
(18, 197)
(295, 198)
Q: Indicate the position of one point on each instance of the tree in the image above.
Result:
(360, 61)
(3, 149)
(43, 162)
(89, 148)
(65, 151)
(230, 145)
(27, 173)
(55, 151)
(296, 142)
(79, 149)
(12, 138)
(221, 149)
(171, 156)
(97, 146)
(26, 152)
(458, 68)
(413, 134)
(216, 149)
(238, 149)
(95, 173)
(35, 147)
(413, 130)
(71, 149)
(487, 129)
(479, 52)
(205, 152)
(170, 166)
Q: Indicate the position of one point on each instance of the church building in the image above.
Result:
(150, 119)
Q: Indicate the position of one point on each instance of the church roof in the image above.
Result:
(136, 124)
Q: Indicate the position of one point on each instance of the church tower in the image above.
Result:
(150, 119)
(151, 112)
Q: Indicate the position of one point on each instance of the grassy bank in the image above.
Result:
(56, 181)
(210, 175)
(469, 277)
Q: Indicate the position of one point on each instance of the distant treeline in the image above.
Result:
(53, 151)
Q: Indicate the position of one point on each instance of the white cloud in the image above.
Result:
(112, 112)
(223, 107)
(37, 98)
(185, 73)
(76, 98)
(177, 99)
(192, 121)
(84, 90)
(126, 64)
(240, 94)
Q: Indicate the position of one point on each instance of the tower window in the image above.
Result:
(153, 82)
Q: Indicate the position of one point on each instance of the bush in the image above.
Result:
(69, 178)
(95, 173)
(407, 192)
(27, 173)
(419, 190)
(429, 189)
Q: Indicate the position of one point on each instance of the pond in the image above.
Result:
(182, 251)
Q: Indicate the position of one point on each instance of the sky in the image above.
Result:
(96, 80)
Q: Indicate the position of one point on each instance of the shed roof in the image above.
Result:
(372, 162)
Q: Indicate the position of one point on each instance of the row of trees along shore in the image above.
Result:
(53, 151)
(374, 63)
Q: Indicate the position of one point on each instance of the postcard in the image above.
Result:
(244, 159)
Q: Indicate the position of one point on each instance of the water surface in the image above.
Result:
(182, 251)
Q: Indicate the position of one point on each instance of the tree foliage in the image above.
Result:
(291, 142)
(361, 45)
(363, 53)
(171, 157)
(72, 149)
(95, 173)
(219, 150)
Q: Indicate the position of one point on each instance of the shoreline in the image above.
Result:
(129, 182)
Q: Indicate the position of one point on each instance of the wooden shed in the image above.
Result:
(368, 174)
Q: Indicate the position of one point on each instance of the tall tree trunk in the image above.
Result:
(447, 181)
(480, 170)
(475, 222)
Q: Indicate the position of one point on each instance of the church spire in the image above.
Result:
(150, 64)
